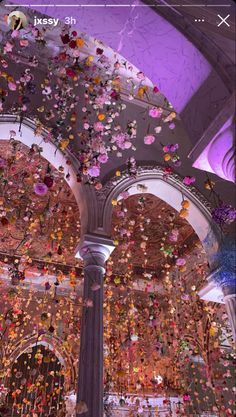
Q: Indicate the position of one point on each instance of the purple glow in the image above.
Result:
(146, 40)
(218, 156)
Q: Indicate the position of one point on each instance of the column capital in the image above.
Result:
(94, 249)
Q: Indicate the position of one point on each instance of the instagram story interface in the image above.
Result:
(117, 208)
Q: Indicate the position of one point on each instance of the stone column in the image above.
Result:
(229, 292)
(221, 286)
(94, 251)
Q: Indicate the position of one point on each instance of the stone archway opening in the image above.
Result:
(156, 327)
(25, 131)
(36, 381)
(171, 190)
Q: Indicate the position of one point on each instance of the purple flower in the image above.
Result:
(47, 286)
(40, 189)
(180, 261)
(3, 163)
(94, 171)
(173, 148)
(224, 214)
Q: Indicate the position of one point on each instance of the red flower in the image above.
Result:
(70, 72)
(65, 38)
(99, 51)
(72, 44)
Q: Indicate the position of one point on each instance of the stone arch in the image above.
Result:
(172, 191)
(55, 345)
(25, 133)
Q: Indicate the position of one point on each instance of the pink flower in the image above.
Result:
(121, 140)
(166, 148)
(101, 100)
(8, 47)
(141, 75)
(24, 42)
(155, 112)
(124, 194)
(40, 189)
(149, 139)
(103, 158)
(189, 180)
(127, 144)
(94, 171)
(15, 34)
(12, 86)
(86, 126)
(98, 127)
(173, 237)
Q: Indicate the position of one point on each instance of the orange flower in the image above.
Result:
(101, 116)
(166, 157)
(185, 204)
(80, 42)
(183, 213)
(142, 90)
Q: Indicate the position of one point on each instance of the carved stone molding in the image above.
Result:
(167, 188)
(157, 171)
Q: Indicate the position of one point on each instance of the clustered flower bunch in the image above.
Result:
(32, 208)
(69, 70)
(224, 214)
(143, 329)
(171, 155)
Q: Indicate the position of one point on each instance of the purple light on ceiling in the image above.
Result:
(145, 39)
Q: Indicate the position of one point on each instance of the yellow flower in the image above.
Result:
(117, 280)
(114, 202)
(64, 143)
(89, 60)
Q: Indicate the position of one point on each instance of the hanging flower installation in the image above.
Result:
(75, 80)
(156, 328)
(146, 332)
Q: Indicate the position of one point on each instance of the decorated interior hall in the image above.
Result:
(117, 209)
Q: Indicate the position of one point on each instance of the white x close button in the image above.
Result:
(223, 20)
